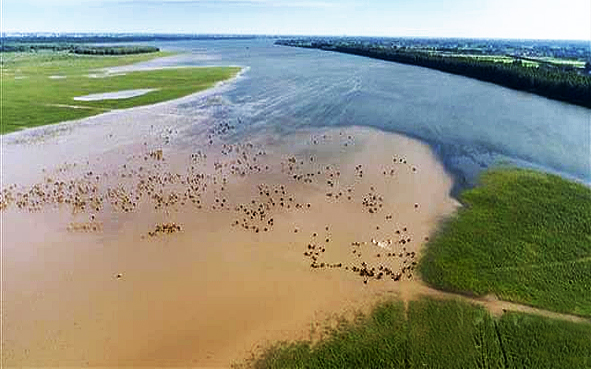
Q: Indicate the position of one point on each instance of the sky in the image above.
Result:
(524, 19)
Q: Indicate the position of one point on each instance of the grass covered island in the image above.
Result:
(39, 88)
(522, 235)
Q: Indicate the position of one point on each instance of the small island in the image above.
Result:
(76, 48)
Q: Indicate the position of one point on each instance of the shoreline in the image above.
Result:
(48, 129)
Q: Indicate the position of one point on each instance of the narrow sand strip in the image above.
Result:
(74, 106)
(126, 94)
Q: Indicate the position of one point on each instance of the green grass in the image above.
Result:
(451, 334)
(30, 98)
(379, 339)
(522, 235)
(49, 62)
(490, 58)
(438, 334)
(536, 342)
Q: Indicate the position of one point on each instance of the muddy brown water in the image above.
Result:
(163, 274)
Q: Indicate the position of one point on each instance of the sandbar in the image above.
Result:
(126, 94)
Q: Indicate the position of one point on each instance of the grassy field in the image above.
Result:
(572, 63)
(379, 339)
(492, 58)
(450, 334)
(438, 334)
(534, 342)
(38, 88)
(535, 62)
(522, 235)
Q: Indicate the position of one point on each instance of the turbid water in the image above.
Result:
(144, 253)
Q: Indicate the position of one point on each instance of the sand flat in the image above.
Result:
(103, 287)
(126, 94)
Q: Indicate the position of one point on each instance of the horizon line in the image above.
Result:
(143, 33)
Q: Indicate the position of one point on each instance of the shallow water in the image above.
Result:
(273, 235)
(470, 124)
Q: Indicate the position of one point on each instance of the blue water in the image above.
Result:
(470, 124)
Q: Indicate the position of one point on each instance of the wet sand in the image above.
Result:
(136, 250)
(126, 94)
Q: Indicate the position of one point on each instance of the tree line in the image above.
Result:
(114, 50)
(77, 49)
(552, 82)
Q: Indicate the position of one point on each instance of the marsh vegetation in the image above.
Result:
(437, 334)
(522, 235)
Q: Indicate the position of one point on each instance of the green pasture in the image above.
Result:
(491, 58)
(39, 88)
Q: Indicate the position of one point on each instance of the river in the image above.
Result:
(470, 124)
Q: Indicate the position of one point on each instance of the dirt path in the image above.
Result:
(497, 307)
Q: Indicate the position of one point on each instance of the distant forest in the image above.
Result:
(114, 50)
(560, 83)
(79, 43)
(79, 49)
